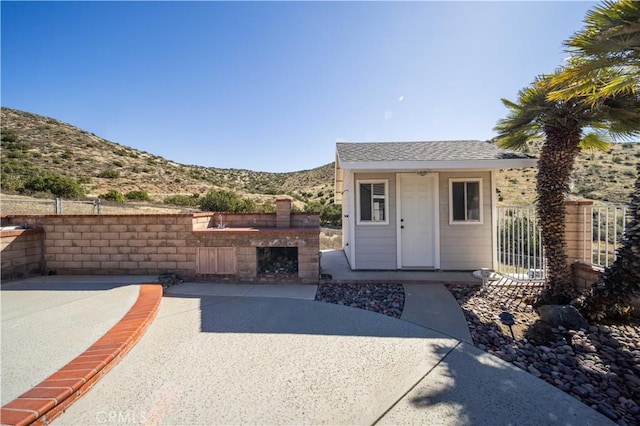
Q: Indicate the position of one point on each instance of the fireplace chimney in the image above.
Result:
(283, 213)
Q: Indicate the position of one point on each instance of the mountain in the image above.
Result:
(606, 177)
(35, 144)
(45, 144)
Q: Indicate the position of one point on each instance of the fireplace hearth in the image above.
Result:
(277, 260)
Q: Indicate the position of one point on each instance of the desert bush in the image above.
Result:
(113, 195)
(12, 183)
(140, 195)
(183, 200)
(109, 174)
(330, 214)
(266, 208)
(60, 186)
(8, 136)
(226, 201)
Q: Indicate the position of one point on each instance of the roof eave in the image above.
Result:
(441, 165)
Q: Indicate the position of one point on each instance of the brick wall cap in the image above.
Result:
(16, 232)
(578, 202)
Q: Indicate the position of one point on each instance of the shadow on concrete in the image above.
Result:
(76, 283)
(469, 386)
(289, 316)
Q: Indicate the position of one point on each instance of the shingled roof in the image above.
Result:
(428, 151)
(424, 156)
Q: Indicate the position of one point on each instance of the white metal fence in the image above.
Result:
(603, 227)
(520, 254)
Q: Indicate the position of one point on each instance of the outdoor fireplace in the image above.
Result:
(281, 261)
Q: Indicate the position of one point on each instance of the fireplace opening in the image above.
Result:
(277, 260)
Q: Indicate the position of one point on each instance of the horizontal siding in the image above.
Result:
(348, 215)
(376, 244)
(465, 246)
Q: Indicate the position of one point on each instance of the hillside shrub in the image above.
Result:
(226, 201)
(60, 186)
(330, 214)
(12, 147)
(113, 195)
(182, 200)
(12, 183)
(266, 208)
(8, 136)
(140, 195)
(109, 174)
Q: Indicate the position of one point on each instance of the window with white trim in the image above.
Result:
(465, 200)
(373, 201)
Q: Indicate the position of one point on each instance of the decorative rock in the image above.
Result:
(608, 411)
(579, 390)
(562, 316)
(595, 372)
(531, 369)
(614, 394)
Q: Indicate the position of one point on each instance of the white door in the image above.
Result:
(417, 221)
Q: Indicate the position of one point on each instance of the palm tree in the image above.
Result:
(605, 63)
(562, 123)
(605, 54)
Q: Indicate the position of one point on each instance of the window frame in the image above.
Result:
(386, 202)
(480, 219)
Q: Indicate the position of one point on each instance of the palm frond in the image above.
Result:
(605, 55)
(595, 142)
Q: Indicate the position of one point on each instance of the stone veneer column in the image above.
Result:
(283, 213)
(578, 223)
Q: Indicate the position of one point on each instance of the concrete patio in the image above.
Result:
(273, 355)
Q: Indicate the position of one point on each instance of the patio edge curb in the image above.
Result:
(47, 400)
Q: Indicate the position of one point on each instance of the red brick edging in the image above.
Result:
(55, 394)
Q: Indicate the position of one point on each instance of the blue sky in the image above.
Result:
(272, 86)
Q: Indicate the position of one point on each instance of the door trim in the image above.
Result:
(435, 202)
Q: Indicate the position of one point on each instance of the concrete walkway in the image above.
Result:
(334, 263)
(243, 358)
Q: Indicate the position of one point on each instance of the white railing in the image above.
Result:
(520, 254)
(603, 227)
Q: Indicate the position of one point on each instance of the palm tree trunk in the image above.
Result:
(554, 172)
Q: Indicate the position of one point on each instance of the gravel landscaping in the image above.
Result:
(386, 299)
(599, 366)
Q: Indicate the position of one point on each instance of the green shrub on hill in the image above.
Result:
(183, 200)
(330, 214)
(139, 195)
(109, 174)
(113, 195)
(60, 186)
(226, 201)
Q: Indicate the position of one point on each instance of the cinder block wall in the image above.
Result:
(22, 253)
(119, 244)
(584, 275)
(154, 244)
